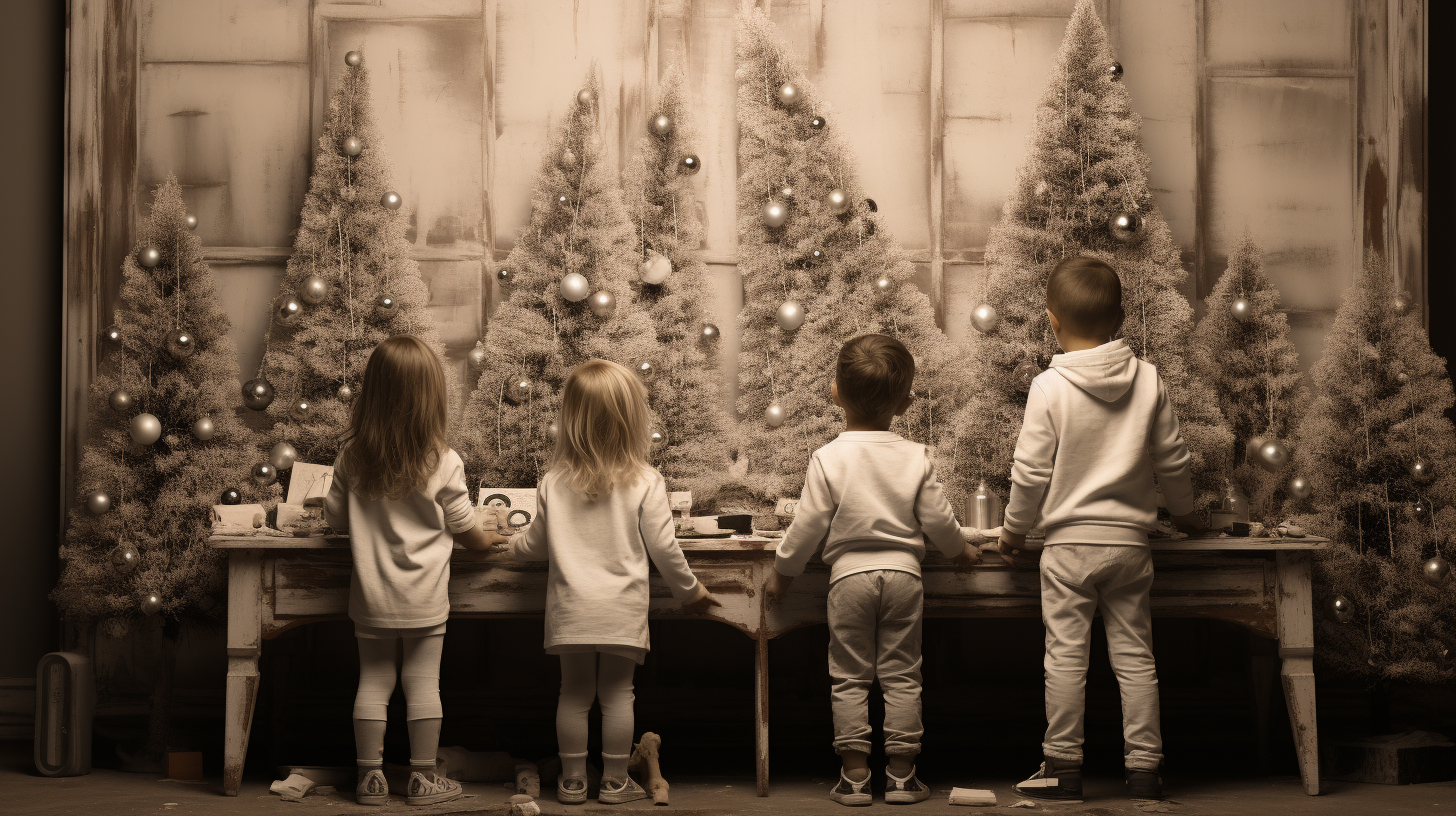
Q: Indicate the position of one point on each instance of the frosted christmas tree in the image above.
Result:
(1082, 190)
(817, 270)
(1379, 455)
(569, 299)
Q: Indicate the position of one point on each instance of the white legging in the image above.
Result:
(420, 676)
(583, 681)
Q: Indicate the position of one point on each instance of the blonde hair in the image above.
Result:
(602, 435)
(397, 428)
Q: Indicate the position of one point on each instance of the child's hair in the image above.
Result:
(397, 429)
(1086, 296)
(602, 437)
(874, 375)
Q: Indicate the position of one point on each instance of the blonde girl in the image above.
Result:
(601, 513)
(399, 492)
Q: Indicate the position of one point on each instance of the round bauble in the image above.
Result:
(353, 59)
(553, 430)
(1402, 377)
(385, 307)
(112, 335)
(391, 200)
(1242, 310)
(1299, 487)
(288, 310)
(1125, 227)
(1341, 609)
(191, 221)
(708, 335)
(1024, 373)
(786, 192)
(817, 256)
(1420, 469)
(774, 415)
(1435, 570)
(585, 97)
(1402, 303)
(661, 125)
(837, 201)
(477, 356)
(871, 205)
(120, 401)
(787, 95)
(125, 558)
(563, 201)
(645, 369)
(301, 410)
(818, 122)
(790, 315)
(1251, 448)
(985, 319)
(1421, 510)
(690, 164)
(145, 429)
(151, 603)
(883, 284)
(568, 160)
(518, 389)
(603, 304)
(264, 474)
(282, 456)
(149, 257)
(1273, 455)
(353, 146)
(658, 439)
(504, 277)
(181, 343)
(313, 290)
(257, 393)
(574, 287)
(98, 502)
(775, 213)
(204, 429)
(345, 394)
(655, 268)
(231, 496)
(1114, 71)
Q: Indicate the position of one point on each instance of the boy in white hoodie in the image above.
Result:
(1099, 425)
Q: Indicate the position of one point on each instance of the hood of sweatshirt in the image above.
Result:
(1105, 372)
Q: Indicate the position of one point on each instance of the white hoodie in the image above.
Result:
(1098, 425)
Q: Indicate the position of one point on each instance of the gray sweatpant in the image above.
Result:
(1076, 581)
(874, 633)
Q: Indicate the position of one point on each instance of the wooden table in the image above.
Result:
(1263, 585)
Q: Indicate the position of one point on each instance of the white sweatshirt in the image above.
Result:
(1098, 425)
(871, 498)
(402, 547)
(596, 592)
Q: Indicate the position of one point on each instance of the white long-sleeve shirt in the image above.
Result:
(872, 499)
(401, 547)
(1098, 425)
(596, 592)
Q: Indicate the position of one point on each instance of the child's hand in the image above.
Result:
(702, 604)
(969, 557)
(1010, 544)
(1190, 523)
(777, 587)
(497, 541)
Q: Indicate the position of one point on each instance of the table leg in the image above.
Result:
(1294, 610)
(244, 646)
(760, 699)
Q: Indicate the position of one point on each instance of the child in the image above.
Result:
(872, 498)
(601, 513)
(400, 494)
(1098, 425)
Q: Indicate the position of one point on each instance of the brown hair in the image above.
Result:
(1086, 296)
(396, 432)
(604, 434)
(874, 375)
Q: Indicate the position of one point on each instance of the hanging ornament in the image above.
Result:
(661, 124)
(1273, 455)
(151, 603)
(883, 284)
(1114, 71)
(1421, 511)
(985, 319)
(563, 201)
(585, 97)
(553, 430)
(646, 370)
(567, 160)
(120, 401)
(98, 502)
(145, 429)
(1299, 487)
(518, 389)
(203, 429)
(655, 268)
(1402, 377)
(390, 200)
(477, 356)
(1242, 310)
(790, 315)
(871, 205)
(691, 164)
(504, 277)
(708, 335)
(787, 95)
(1435, 570)
(818, 122)
(181, 343)
(257, 393)
(786, 192)
(603, 304)
(817, 256)
(345, 394)
(353, 146)
(301, 410)
(1420, 470)
(264, 474)
(775, 213)
(149, 257)
(1024, 373)
(1401, 303)
(1251, 448)
(191, 221)
(313, 290)
(658, 439)
(112, 335)
(385, 307)
(574, 287)
(282, 456)
(1125, 226)
(125, 558)
(1341, 609)
(353, 58)
(774, 414)
(288, 310)
(837, 201)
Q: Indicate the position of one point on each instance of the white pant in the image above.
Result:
(1076, 581)
(874, 634)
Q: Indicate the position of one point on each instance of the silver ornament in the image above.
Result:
(871, 205)
(112, 335)
(1341, 609)
(125, 558)
(345, 394)
(790, 315)
(985, 319)
(385, 306)
(1299, 487)
(1402, 377)
(288, 310)
(567, 160)
(313, 290)
(658, 439)
(817, 256)
(1401, 303)
(585, 97)
(264, 474)
(353, 146)
(151, 603)
(1420, 470)
(574, 287)
(787, 95)
(477, 356)
(1125, 227)
(708, 335)
(563, 201)
(191, 221)
(145, 429)
(518, 389)
(1273, 455)
(645, 369)
(603, 304)
(883, 284)
(774, 415)
(390, 200)
(98, 502)
(1114, 71)
(120, 401)
(301, 410)
(818, 122)
(1242, 310)
(282, 456)
(775, 213)
(1435, 570)
(204, 429)
(181, 343)
(553, 430)
(149, 257)
(661, 124)
(504, 277)
(1421, 510)
(1251, 448)
(690, 164)
(353, 58)
(1024, 373)
(257, 393)
(655, 269)
(837, 201)
(786, 192)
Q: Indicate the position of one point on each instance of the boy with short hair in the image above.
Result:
(1099, 424)
(871, 498)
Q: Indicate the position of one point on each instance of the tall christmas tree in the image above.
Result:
(568, 299)
(1083, 190)
(661, 202)
(349, 284)
(165, 443)
(817, 270)
(1380, 456)
(1241, 348)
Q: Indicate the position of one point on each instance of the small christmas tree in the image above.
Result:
(817, 270)
(1241, 348)
(685, 394)
(1380, 455)
(568, 300)
(165, 443)
(1083, 190)
(349, 284)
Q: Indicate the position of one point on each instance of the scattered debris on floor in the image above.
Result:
(972, 797)
(523, 805)
(295, 787)
(1023, 803)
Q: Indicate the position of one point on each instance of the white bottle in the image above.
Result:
(983, 510)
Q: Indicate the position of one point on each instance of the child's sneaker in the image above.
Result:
(570, 790)
(372, 788)
(1059, 779)
(904, 791)
(613, 792)
(429, 788)
(1144, 784)
(851, 793)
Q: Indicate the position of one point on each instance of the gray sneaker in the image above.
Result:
(429, 788)
(372, 788)
(906, 791)
(851, 793)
